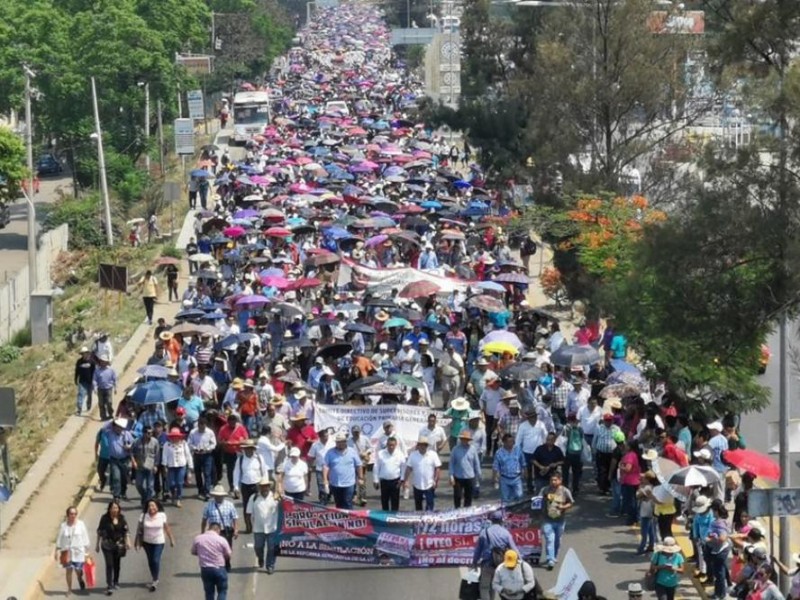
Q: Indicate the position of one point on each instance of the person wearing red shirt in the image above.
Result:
(278, 385)
(247, 403)
(301, 435)
(229, 437)
(671, 451)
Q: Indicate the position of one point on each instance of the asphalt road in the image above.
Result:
(14, 237)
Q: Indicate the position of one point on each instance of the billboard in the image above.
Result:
(692, 22)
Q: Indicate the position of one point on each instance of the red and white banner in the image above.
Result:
(383, 281)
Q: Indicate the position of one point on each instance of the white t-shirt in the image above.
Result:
(153, 528)
(318, 451)
(423, 467)
(435, 437)
(589, 418)
(294, 476)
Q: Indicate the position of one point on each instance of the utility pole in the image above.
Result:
(101, 163)
(146, 125)
(30, 191)
(160, 138)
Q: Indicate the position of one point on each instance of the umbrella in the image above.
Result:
(627, 378)
(167, 260)
(574, 356)
(363, 382)
(337, 350)
(277, 232)
(694, 475)
(326, 258)
(234, 232)
(191, 313)
(153, 372)
(500, 348)
(620, 390)
(397, 322)
(289, 310)
(206, 274)
(490, 286)
(501, 335)
(516, 278)
(275, 281)
(200, 173)
(232, 341)
(252, 300)
(156, 392)
(382, 389)
(438, 327)
(753, 462)
(621, 366)
(359, 327)
(487, 303)
(201, 258)
(194, 329)
(523, 371)
(303, 283)
(406, 380)
(419, 289)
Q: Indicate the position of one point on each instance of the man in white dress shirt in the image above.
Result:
(389, 466)
(249, 470)
(531, 434)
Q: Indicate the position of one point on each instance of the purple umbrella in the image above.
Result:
(375, 240)
(272, 272)
(252, 300)
(247, 213)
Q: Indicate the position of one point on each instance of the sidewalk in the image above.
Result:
(67, 466)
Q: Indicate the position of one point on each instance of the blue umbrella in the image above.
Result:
(191, 313)
(337, 233)
(214, 316)
(153, 372)
(5, 493)
(431, 204)
(491, 286)
(461, 184)
(156, 392)
(438, 327)
(622, 366)
(272, 272)
(200, 173)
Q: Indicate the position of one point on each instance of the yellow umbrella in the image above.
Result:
(499, 348)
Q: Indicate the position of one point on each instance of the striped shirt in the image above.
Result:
(603, 440)
(223, 513)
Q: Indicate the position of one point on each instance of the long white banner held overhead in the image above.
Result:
(408, 420)
(383, 281)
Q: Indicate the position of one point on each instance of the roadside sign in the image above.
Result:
(184, 136)
(776, 502)
(195, 64)
(8, 407)
(690, 22)
(171, 191)
(113, 277)
(194, 98)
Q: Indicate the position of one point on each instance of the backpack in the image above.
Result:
(575, 441)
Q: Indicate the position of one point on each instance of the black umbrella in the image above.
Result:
(190, 313)
(337, 350)
(363, 382)
(523, 371)
(382, 303)
(574, 356)
(303, 229)
(359, 327)
(438, 327)
(297, 343)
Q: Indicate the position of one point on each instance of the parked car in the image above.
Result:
(48, 165)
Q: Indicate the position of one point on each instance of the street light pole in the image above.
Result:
(147, 126)
(30, 191)
(160, 138)
(101, 163)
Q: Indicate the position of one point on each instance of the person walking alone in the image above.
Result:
(212, 551)
(262, 508)
(148, 285)
(84, 377)
(114, 540)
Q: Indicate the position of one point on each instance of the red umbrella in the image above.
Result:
(167, 260)
(753, 462)
(419, 289)
(304, 282)
(277, 232)
(323, 258)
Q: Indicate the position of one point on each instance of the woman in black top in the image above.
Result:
(113, 539)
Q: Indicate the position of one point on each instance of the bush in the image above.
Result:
(22, 338)
(83, 217)
(9, 353)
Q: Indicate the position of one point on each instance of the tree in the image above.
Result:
(12, 164)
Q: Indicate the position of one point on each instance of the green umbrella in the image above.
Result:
(397, 322)
(406, 380)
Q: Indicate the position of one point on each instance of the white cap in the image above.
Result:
(294, 452)
(406, 342)
(716, 426)
(383, 346)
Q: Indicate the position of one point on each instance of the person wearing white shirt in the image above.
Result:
(388, 432)
(363, 448)
(270, 445)
(248, 471)
(542, 355)
(316, 460)
(407, 359)
(578, 397)
(531, 434)
(489, 401)
(437, 437)
(589, 417)
(262, 510)
(315, 373)
(294, 476)
(202, 442)
(389, 465)
(422, 469)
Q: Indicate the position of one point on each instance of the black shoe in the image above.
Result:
(109, 591)
(270, 570)
(82, 583)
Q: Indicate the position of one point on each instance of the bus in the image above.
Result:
(251, 113)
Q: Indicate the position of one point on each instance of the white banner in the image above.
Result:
(383, 281)
(408, 420)
(570, 577)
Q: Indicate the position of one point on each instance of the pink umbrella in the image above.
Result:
(261, 180)
(277, 232)
(273, 281)
(234, 232)
(299, 188)
(252, 300)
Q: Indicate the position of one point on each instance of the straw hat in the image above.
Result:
(218, 490)
(460, 403)
(668, 546)
(237, 384)
(650, 454)
(166, 336)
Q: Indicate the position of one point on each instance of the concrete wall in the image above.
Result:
(14, 296)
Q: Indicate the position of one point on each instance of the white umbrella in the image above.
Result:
(201, 258)
(694, 475)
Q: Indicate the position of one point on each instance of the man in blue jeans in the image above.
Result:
(120, 443)
(342, 470)
(263, 509)
(144, 457)
(211, 550)
(557, 501)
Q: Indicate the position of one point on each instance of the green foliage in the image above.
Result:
(22, 338)
(83, 217)
(12, 163)
(9, 353)
(172, 251)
